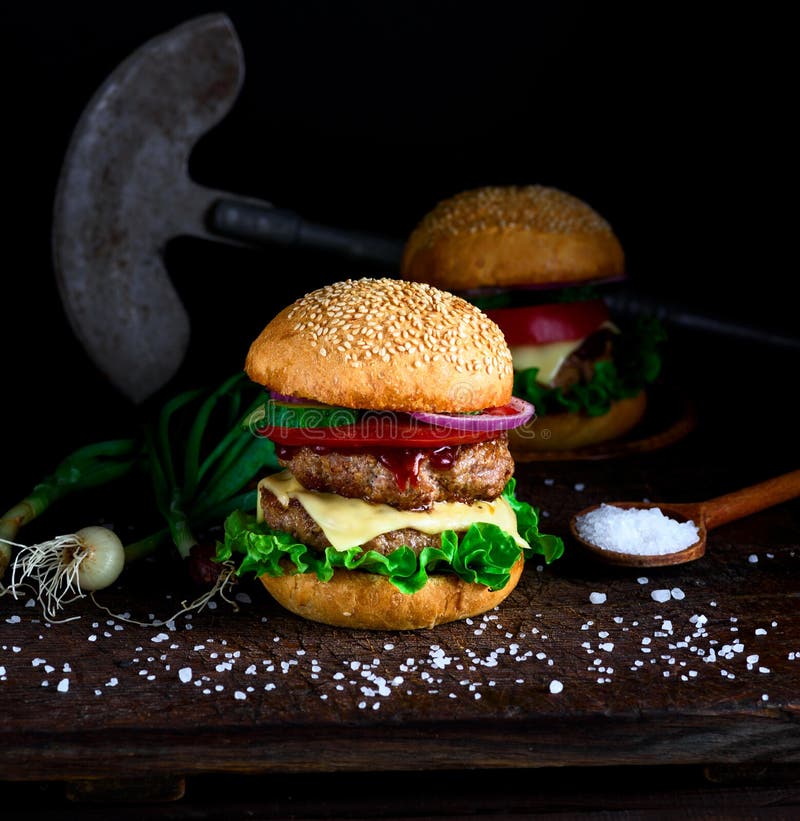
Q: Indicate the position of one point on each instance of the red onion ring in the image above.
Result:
(506, 417)
(517, 412)
(287, 399)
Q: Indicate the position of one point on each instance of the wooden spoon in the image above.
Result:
(705, 515)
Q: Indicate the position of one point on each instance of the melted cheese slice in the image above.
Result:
(351, 522)
(549, 358)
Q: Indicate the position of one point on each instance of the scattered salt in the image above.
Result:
(643, 532)
(660, 595)
(556, 686)
(597, 598)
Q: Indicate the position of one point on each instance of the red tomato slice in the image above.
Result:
(385, 430)
(555, 322)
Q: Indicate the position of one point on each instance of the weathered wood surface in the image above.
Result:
(665, 710)
(709, 676)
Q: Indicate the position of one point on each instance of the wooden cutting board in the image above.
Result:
(583, 664)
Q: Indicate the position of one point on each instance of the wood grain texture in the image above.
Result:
(708, 676)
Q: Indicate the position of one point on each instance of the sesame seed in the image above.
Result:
(498, 208)
(384, 318)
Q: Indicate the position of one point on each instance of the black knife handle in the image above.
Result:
(262, 224)
(628, 303)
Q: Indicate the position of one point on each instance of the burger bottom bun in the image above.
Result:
(368, 601)
(568, 431)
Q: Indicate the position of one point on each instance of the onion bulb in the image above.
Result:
(65, 568)
(100, 557)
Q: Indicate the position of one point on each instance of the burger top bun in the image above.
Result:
(511, 236)
(384, 344)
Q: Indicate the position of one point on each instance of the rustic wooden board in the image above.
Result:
(709, 676)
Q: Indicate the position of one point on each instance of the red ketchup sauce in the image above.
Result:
(402, 462)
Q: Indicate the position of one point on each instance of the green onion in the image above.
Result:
(197, 479)
(88, 467)
(202, 460)
(66, 567)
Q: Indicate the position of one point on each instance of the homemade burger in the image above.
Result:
(537, 259)
(389, 403)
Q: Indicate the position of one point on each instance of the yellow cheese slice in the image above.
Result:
(548, 358)
(351, 522)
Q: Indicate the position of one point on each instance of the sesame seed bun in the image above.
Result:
(511, 236)
(384, 344)
(371, 602)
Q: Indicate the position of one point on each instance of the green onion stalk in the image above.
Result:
(88, 467)
(197, 479)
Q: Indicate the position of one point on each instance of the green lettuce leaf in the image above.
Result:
(484, 554)
(551, 547)
(636, 362)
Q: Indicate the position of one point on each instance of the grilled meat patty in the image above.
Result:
(407, 479)
(578, 367)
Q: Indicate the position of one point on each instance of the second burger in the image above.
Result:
(537, 260)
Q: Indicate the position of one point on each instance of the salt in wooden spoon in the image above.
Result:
(705, 515)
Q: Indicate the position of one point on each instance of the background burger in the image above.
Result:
(389, 405)
(537, 259)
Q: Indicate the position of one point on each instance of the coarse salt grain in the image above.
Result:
(556, 686)
(637, 531)
(597, 598)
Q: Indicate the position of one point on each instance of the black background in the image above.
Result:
(672, 120)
